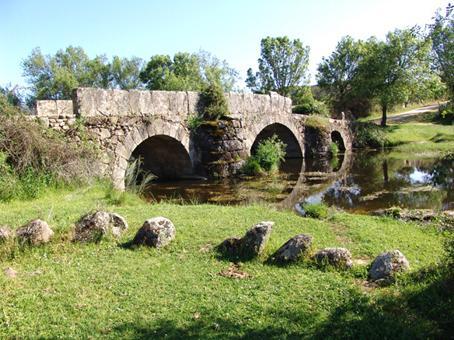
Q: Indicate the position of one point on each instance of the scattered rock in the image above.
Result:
(94, 226)
(34, 233)
(293, 249)
(234, 272)
(156, 232)
(250, 245)
(387, 264)
(337, 257)
(5, 233)
(10, 272)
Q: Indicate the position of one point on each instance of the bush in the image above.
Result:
(333, 149)
(315, 210)
(194, 121)
(311, 108)
(369, 135)
(270, 153)
(446, 113)
(215, 104)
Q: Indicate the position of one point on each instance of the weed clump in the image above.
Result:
(269, 156)
(315, 210)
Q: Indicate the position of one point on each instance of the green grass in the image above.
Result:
(69, 290)
(421, 137)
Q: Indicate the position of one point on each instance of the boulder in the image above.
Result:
(250, 245)
(256, 238)
(387, 264)
(156, 232)
(94, 226)
(5, 233)
(337, 257)
(293, 249)
(34, 233)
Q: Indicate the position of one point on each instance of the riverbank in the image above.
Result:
(105, 290)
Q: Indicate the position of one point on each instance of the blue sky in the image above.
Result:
(230, 29)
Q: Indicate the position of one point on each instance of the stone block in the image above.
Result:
(46, 108)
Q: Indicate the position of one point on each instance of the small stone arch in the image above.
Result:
(285, 125)
(336, 137)
(177, 134)
(293, 149)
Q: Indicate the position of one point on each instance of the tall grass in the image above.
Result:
(136, 178)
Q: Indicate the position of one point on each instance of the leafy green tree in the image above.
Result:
(54, 77)
(442, 35)
(283, 65)
(337, 74)
(125, 73)
(187, 72)
(390, 67)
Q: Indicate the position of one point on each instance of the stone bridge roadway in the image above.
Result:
(154, 125)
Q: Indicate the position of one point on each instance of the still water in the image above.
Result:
(356, 182)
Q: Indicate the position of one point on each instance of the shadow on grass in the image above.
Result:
(423, 310)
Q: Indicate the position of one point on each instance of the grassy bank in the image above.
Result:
(421, 137)
(104, 290)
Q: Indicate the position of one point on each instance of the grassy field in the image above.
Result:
(421, 137)
(69, 290)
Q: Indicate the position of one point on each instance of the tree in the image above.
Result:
(283, 65)
(442, 35)
(125, 73)
(390, 67)
(187, 72)
(337, 75)
(54, 77)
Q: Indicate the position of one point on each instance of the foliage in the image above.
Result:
(187, 72)
(283, 65)
(136, 178)
(446, 113)
(55, 77)
(369, 135)
(314, 107)
(32, 151)
(194, 121)
(442, 35)
(315, 210)
(268, 157)
(6, 108)
(390, 68)
(215, 105)
(125, 73)
(338, 75)
(333, 149)
(317, 122)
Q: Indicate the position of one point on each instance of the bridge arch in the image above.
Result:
(292, 150)
(159, 139)
(336, 137)
(284, 127)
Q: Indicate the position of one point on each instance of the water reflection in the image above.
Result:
(358, 182)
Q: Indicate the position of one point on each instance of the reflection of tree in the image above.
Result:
(443, 172)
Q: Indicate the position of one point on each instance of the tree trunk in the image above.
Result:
(384, 110)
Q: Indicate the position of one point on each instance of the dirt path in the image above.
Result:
(403, 117)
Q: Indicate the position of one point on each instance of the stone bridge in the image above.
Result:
(156, 126)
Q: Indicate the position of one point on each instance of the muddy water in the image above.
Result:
(357, 182)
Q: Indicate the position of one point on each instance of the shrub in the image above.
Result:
(315, 210)
(270, 153)
(446, 113)
(215, 104)
(333, 149)
(194, 121)
(34, 158)
(252, 167)
(311, 108)
(369, 135)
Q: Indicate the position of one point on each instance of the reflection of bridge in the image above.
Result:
(154, 125)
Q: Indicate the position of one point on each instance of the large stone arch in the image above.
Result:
(139, 134)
